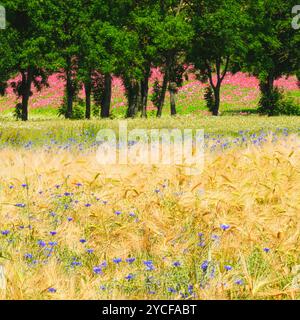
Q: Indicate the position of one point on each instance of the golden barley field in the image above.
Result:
(72, 229)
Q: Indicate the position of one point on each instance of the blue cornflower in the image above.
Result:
(266, 250)
(52, 290)
(215, 237)
(149, 265)
(239, 282)
(20, 205)
(201, 244)
(184, 295)
(53, 233)
(130, 260)
(176, 264)
(97, 270)
(117, 260)
(28, 256)
(171, 290)
(87, 205)
(78, 184)
(24, 185)
(190, 289)
(11, 187)
(89, 250)
(204, 265)
(52, 243)
(5, 232)
(103, 264)
(224, 227)
(118, 213)
(41, 243)
(102, 288)
(129, 277)
(228, 268)
(82, 241)
(70, 219)
(132, 214)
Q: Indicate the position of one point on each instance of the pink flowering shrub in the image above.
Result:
(238, 87)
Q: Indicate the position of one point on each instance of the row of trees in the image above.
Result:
(89, 41)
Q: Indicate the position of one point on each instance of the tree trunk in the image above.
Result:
(26, 90)
(268, 102)
(173, 103)
(267, 87)
(145, 90)
(132, 89)
(106, 101)
(139, 98)
(216, 107)
(88, 91)
(220, 77)
(69, 91)
(172, 90)
(163, 94)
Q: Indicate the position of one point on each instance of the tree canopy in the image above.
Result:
(90, 41)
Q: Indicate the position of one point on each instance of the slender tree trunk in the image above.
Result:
(216, 108)
(69, 91)
(220, 77)
(129, 99)
(172, 90)
(132, 88)
(145, 91)
(268, 102)
(139, 98)
(106, 101)
(173, 103)
(88, 92)
(26, 90)
(163, 94)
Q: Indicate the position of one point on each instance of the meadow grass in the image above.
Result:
(73, 229)
(41, 132)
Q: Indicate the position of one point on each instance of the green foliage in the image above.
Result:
(219, 42)
(126, 38)
(209, 98)
(78, 109)
(274, 103)
(17, 113)
(155, 98)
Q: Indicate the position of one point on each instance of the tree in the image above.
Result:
(26, 51)
(62, 21)
(113, 51)
(274, 47)
(144, 18)
(219, 42)
(173, 36)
